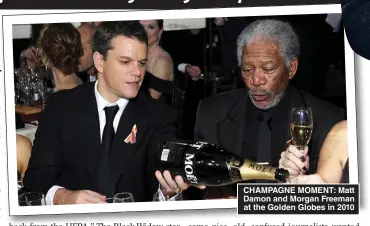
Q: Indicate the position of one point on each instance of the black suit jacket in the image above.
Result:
(67, 144)
(221, 119)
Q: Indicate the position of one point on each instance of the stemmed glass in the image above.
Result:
(123, 197)
(301, 126)
(31, 199)
(158, 197)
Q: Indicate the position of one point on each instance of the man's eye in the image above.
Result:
(268, 70)
(247, 70)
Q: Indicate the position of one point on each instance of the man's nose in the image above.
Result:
(136, 69)
(258, 78)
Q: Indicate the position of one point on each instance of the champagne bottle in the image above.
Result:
(208, 164)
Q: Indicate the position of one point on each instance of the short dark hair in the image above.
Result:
(160, 23)
(60, 44)
(106, 31)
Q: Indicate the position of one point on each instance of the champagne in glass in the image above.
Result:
(301, 126)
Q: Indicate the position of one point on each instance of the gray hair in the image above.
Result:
(271, 30)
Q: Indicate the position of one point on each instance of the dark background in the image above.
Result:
(151, 4)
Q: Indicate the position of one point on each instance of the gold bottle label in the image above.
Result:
(233, 165)
(253, 171)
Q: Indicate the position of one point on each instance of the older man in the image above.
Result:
(254, 122)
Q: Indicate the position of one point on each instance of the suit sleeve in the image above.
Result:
(43, 167)
(165, 130)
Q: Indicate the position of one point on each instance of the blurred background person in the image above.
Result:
(87, 70)
(159, 64)
(28, 57)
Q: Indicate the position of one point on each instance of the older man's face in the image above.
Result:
(265, 73)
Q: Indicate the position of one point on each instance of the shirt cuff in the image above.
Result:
(161, 195)
(182, 67)
(50, 195)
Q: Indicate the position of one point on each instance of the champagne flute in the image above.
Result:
(301, 126)
(123, 197)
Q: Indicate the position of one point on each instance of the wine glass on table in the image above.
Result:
(123, 197)
(31, 199)
(158, 197)
(301, 126)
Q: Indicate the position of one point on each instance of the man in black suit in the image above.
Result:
(254, 122)
(99, 139)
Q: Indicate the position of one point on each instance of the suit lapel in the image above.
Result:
(88, 119)
(123, 151)
(231, 129)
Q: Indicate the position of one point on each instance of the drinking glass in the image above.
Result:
(123, 197)
(301, 126)
(32, 199)
(159, 197)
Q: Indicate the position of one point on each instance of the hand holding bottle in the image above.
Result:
(201, 163)
(171, 186)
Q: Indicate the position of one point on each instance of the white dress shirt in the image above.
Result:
(101, 103)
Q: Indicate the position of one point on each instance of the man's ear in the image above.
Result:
(99, 62)
(293, 68)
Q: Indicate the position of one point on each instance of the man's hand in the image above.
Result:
(295, 161)
(31, 56)
(64, 196)
(169, 186)
(193, 71)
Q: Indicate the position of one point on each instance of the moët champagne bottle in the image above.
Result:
(208, 164)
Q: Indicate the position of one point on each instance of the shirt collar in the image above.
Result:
(102, 103)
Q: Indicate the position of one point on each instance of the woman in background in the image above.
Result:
(159, 64)
(60, 49)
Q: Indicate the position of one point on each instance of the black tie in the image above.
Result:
(105, 186)
(264, 139)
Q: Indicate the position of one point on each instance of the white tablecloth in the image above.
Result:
(28, 131)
